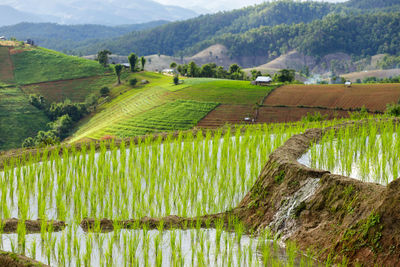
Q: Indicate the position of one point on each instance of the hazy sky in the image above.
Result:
(216, 5)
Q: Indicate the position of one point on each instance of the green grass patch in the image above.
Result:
(18, 118)
(41, 65)
(177, 115)
(223, 91)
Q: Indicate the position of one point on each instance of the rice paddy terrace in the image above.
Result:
(208, 198)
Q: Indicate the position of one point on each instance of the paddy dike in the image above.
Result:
(9, 259)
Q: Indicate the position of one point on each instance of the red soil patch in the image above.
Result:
(374, 97)
(14, 51)
(75, 89)
(235, 114)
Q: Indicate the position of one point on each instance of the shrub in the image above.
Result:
(176, 80)
(105, 91)
(314, 117)
(393, 110)
(133, 81)
(358, 115)
(62, 126)
(37, 101)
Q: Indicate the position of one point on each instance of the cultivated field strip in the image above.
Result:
(122, 109)
(374, 97)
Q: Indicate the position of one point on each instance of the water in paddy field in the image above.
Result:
(370, 159)
(202, 247)
(181, 178)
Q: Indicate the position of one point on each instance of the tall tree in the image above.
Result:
(102, 57)
(118, 70)
(133, 60)
(143, 61)
(193, 70)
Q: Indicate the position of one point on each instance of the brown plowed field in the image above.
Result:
(6, 66)
(75, 90)
(234, 114)
(374, 97)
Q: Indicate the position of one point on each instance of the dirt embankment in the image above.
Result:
(32, 226)
(9, 259)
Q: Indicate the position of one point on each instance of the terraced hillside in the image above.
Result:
(162, 106)
(28, 70)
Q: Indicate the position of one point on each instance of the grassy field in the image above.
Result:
(42, 65)
(223, 91)
(18, 119)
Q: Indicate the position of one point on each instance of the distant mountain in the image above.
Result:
(65, 37)
(104, 12)
(372, 4)
(9, 16)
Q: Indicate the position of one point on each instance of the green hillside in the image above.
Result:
(41, 65)
(26, 70)
(18, 118)
(162, 106)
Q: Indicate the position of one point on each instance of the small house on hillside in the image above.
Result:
(3, 38)
(126, 65)
(263, 80)
(168, 71)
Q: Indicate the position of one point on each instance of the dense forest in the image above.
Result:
(360, 35)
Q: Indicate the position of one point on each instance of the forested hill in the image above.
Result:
(356, 27)
(66, 37)
(172, 38)
(359, 35)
